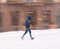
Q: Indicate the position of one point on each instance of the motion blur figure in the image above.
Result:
(27, 26)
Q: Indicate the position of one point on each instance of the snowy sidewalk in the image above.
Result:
(44, 39)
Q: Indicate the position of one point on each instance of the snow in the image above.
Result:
(44, 39)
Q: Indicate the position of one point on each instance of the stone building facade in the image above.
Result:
(13, 14)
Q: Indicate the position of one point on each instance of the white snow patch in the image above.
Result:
(44, 39)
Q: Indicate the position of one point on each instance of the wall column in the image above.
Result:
(53, 17)
(21, 18)
(6, 21)
(39, 18)
(53, 14)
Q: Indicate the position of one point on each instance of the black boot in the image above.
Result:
(32, 38)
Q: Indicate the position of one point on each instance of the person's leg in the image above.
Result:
(24, 34)
(30, 34)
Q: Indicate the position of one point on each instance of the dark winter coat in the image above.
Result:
(28, 20)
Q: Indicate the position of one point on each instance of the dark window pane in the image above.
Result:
(46, 14)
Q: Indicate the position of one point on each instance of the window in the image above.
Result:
(46, 12)
(46, 16)
(15, 16)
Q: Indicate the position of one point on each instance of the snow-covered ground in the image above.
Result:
(44, 39)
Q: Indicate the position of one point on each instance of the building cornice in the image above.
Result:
(28, 3)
